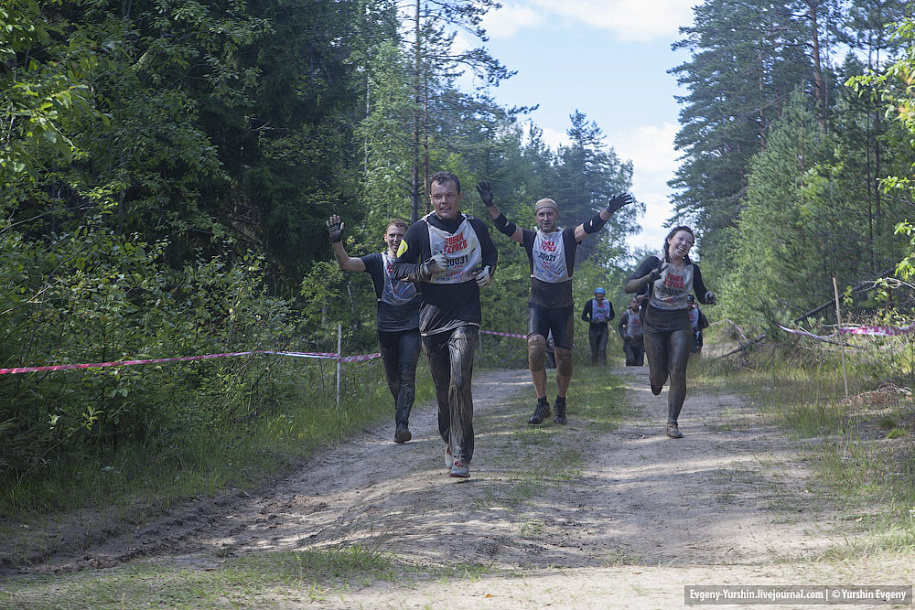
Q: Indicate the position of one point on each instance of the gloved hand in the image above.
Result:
(655, 273)
(433, 266)
(485, 191)
(710, 298)
(618, 201)
(484, 277)
(335, 228)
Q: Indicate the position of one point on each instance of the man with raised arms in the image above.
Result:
(551, 252)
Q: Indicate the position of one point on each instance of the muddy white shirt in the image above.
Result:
(600, 311)
(445, 305)
(694, 318)
(632, 324)
(666, 306)
(462, 248)
(552, 259)
(398, 302)
(671, 289)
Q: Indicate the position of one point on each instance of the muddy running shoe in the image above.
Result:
(460, 470)
(673, 431)
(560, 406)
(449, 459)
(402, 434)
(541, 412)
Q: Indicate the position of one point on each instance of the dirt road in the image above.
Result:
(571, 517)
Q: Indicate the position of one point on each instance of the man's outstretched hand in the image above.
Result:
(335, 228)
(485, 191)
(618, 201)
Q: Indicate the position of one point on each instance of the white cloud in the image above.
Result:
(638, 20)
(651, 148)
(654, 161)
(553, 138)
(511, 19)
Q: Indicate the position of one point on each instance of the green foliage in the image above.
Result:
(746, 59)
(43, 98)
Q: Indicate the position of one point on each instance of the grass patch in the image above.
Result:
(532, 458)
(268, 579)
(264, 580)
(139, 480)
(865, 462)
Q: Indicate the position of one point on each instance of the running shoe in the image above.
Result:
(541, 412)
(673, 431)
(460, 470)
(402, 434)
(560, 407)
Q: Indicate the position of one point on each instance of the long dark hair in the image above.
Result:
(673, 232)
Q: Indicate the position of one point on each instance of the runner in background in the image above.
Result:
(630, 329)
(551, 253)
(665, 320)
(698, 321)
(597, 313)
(397, 317)
(452, 256)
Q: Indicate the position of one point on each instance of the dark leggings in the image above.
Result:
(597, 337)
(399, 352)
(635, 352)
(451, 363)
(668, 355)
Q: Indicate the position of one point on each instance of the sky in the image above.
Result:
(608, 59)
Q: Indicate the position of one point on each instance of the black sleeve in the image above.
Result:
(623, 324)
(414, 249)
(633, 284)
(698, 285)
(488, 248)
(374, 267)
(612, 313)
(586, 314)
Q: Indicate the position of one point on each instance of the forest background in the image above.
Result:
(168, 168)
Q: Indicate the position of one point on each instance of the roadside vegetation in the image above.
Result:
(860, 443)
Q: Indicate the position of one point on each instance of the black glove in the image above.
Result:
(710, 298)
(618, 201)
(335, 228)
(485, 191)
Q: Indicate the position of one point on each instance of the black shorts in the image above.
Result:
(541, 320)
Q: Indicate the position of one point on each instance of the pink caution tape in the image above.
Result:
(320, 355)
(94, 365)
(492, 332)
(876, 331)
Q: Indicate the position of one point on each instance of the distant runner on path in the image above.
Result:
(698, 321)
(397, 317)
(630, 329)
(551, 252)
(665, 319)
(597, 313)
(452, 256)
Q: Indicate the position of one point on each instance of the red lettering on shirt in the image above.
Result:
(455, 243)
(674, 281)
(549, 246)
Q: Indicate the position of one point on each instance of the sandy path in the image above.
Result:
(628, 523)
